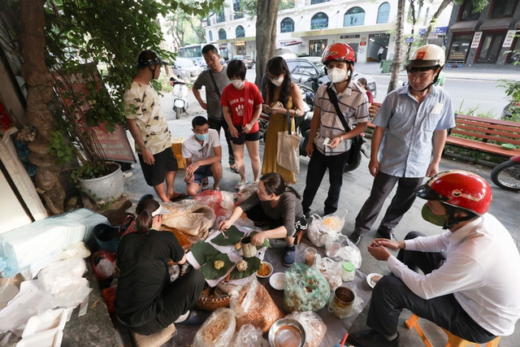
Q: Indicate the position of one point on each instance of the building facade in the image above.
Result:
(486, 38)
(308, 26)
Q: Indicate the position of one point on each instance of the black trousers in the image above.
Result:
(217, 125)
(177, 298)
(257, 214)
(391, 295)
(318, 164)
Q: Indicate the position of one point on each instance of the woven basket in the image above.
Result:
(206, 303)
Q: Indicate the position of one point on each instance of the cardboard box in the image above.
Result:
(177, 151)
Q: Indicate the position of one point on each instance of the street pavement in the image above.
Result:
(355, 190)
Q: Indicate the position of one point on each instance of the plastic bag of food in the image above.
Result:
(305, 289)
(249, 336)
(313, 325)
(322, 230)
(341, 249)
(253, 305)
(331, 270)
(247, 191)
(228, 201)
(103, 264)
(194, 219)
(211, 198)
(217, 330)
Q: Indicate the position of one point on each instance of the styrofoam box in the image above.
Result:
(50, 320)
(47, 338)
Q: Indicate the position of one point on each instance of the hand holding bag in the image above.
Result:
(288, 150)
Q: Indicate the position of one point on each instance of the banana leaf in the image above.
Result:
(234, 235)
(203, 252)
(253, 265)
(210, 273)
(266, 241)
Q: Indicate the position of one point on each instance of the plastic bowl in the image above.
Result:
(277, 281)
(270, 270)
(372, 283)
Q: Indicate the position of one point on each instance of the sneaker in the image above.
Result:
(240, 185)
(205, 185)
(290, 256)
(127, 174)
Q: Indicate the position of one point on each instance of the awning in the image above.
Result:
(460, 27)
(246, 39)
(291, 43)
(496, 24)
(349, 30)
(517, 25)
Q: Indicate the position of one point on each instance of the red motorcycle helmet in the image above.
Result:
(338, 52)
(460, 189)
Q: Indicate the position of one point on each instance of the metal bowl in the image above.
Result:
(285, 329)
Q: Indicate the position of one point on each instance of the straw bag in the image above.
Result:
(288, 151)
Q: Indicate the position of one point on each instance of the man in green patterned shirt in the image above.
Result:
(147, 124)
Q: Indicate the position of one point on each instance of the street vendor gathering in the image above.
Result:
(465, 279)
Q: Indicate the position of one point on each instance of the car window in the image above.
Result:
(294, 66)
(307, 69)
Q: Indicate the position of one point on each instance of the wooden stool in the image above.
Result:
(453, 341)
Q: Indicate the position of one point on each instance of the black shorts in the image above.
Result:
(164, 162)
(242, 138)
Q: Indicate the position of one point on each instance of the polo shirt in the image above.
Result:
(143, 264)
(191, 148)
(481, 271)
(406, 147)
(212, 94)
(353, 104)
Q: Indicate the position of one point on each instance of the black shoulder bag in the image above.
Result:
(357, 141)
(218, 92)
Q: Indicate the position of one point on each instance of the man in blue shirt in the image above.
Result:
(411, 123)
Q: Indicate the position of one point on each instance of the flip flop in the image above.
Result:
(234, 168)
(179, 197)
(195, 318)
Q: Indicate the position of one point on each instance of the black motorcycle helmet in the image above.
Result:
(148, 58)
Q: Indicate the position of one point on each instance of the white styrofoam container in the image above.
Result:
(50, 320)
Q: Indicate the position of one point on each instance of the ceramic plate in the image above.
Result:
(277, 281)
(270, 270)
(372, 279)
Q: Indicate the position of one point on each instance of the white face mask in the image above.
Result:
(337, 75)
(277, 81)
(237, 83)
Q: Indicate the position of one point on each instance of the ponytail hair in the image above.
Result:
(144, 218)
(275, 184)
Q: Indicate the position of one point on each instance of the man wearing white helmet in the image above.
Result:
(411, 123)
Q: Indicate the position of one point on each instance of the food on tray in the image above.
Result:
(264, 271)
(218, 264)
(375, 279)
(242, 266)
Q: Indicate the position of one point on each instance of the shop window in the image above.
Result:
(354, 16)
(316, 47)
(319, 21)
(504, 8)
(222, 34)
(467, 11)
(287, 25)
(514, 56)
(237, 9)
(460, 48)
(383, 14)
(314, 2)
(210, 36)
(490, 48)
(240, 32)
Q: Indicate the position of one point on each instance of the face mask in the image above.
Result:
(337, 75)
(201, 137)
(429, 216)
(237, 83)
(277, 82)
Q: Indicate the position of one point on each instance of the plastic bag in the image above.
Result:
(249, 336)
(253, 305)
(305, 289)
(247, 191)
(109, 295)
(190, 217)
(322, 230)
(343, 312)
(341, 249)
(211, 198)
(100, 264)
(217, 330)
(77, 250)
(313, 325)
(331, 270)
(228, 201)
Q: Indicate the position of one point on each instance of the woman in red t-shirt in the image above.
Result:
(242, 104)
(363, 83)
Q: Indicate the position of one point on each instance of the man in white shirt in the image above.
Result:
(471, 278)
(203, 154)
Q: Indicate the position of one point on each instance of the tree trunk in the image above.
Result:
(266, 15)
(39, 94)
(396, 63)
(436, 15)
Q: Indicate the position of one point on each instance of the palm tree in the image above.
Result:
(396, 63)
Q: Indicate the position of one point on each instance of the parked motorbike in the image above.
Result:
(507, 174)
(180, 98)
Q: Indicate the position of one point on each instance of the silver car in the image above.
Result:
(186, 69)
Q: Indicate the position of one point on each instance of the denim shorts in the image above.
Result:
(201, 173)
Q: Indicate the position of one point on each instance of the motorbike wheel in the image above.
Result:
(355, 164)
(507, 175)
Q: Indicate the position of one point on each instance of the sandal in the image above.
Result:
(240, 184)
(179, 197)
(233, 168)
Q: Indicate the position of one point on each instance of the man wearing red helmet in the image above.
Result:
(471, 278)
(411, 124)
(332, 126)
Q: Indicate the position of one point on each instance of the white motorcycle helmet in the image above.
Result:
(427, 57)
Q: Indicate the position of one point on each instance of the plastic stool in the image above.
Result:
(453, 340)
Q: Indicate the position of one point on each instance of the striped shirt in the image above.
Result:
(353, 103)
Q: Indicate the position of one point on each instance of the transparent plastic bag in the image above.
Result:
(331, 270)
(322, 230)
(313, 325)
(249, 336)
(228, 201)
(341, 249)
(247, 191)
(217, 330)
(253, 305)
(305, 289)
(348, 311)
(211, 198)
